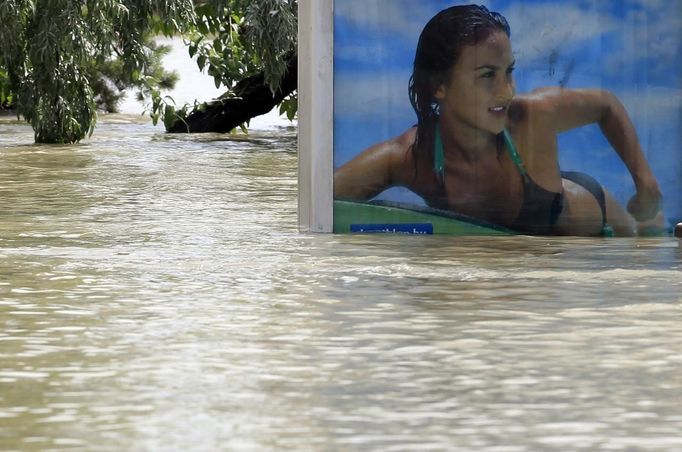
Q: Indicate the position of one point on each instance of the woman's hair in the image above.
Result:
(438, 49)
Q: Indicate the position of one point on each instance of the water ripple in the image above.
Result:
(156, 294)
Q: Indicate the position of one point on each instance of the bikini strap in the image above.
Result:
(514, 154)
(438, 156)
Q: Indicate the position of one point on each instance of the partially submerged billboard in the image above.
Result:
(510, 117)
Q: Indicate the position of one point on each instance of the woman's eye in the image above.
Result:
(488, 74)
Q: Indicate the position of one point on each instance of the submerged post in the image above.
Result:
(315, 115)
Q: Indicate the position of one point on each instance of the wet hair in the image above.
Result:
(438, 49)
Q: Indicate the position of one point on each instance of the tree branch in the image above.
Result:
(251, 97)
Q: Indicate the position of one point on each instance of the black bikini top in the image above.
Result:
(540, 208)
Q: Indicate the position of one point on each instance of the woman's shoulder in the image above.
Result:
(405, 140)
(376, 168)
(391, 156)
(561, 108)
(397, 155)
(398, 149)
(538, 100)
(535, 106)
(549, 98)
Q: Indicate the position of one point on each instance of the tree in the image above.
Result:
(248, 46)
(6, 93)
(249, 98)
(48, 47)
(109, 80)
(61, 59)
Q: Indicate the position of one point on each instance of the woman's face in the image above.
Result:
(480, 86)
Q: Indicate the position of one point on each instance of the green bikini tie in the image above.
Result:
(439, 156)
(514, 154)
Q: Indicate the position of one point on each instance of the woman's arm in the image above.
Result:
(568, 109)
(373, 170)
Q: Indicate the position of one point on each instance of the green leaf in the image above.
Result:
(201, 62)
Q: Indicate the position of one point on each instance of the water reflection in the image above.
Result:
(155, 294)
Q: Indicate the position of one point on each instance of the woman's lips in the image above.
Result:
(498, 111)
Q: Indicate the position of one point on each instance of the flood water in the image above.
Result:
(156, 294)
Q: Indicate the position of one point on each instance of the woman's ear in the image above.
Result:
(440, 92)
(438, 85)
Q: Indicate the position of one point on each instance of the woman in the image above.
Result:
(479, 151)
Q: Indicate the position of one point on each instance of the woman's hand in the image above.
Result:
(646, 203)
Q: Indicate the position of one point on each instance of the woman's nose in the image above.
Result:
(505, 90)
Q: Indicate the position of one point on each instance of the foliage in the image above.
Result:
(6, 94)
(238, 38)
(60, 60)
(235, 39)
(110, 81)
(289, 107)
(49, 47)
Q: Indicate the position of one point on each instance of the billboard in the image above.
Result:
(532, 117)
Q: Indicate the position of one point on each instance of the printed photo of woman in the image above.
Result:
(480, 149)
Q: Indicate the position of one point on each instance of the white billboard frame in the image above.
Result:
(315, 115)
